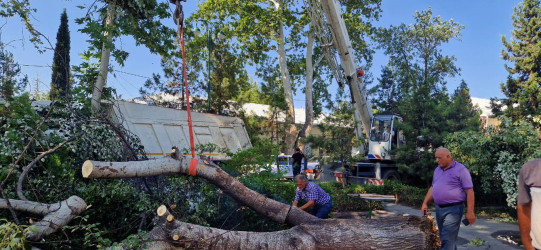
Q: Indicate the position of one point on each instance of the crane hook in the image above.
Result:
(178, 15)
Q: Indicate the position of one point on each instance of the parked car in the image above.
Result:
(284, 164)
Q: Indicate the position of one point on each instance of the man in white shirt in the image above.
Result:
(529, 204)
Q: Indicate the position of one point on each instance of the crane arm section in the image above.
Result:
(342, 44)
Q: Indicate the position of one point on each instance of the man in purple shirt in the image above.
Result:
(451, 186)
(316, 197)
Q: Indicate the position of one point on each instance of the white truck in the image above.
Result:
(381, 131)
(162, 128)
(284, 165)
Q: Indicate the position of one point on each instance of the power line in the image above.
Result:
(132, 74)
(119, 71)
(36, 66)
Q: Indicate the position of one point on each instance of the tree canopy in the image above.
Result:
(413, 83)
(523, 85)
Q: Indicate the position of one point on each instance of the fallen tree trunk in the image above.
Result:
(309, 232)
(274, 210)
(407, 232)
(56, 215)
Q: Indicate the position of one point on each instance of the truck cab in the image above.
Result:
(384, 136)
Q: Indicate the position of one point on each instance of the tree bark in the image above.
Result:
(407, 232)
(309, 232)
(291, 129)
(309, 118)
(56, 215)
(105, 55)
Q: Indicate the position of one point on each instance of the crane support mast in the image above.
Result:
(347, 57)
(381, 130)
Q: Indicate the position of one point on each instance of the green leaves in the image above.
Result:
(12, 236)
(522, 87)
(140, 19)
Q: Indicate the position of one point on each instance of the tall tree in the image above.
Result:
(11, 78)
(60, 82)
(97, 89)
(386, 95)
(419, 70)
(523, 85)
(141, 20)
(462, 115)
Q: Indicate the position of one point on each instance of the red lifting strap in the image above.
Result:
(193, 163)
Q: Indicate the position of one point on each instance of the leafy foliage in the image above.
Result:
(407, 195)
(11, 79)
(337, 134)
(19, 124)
(140, 19)
(413, 83)
(22, 9)
(252, 159)
(461, 114)
(12, 236)
(522, 85)
(57, 176)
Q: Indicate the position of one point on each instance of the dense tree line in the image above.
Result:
(413, 84)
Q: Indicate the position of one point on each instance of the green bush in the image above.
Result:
(406, 195)
(494, 157)
(12, 236)
(340, 199)
(254, 159)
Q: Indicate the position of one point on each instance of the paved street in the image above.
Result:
(483, 229)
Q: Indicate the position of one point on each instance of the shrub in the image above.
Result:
(12, 236)
(495, 156)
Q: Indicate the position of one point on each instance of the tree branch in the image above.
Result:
(274, 210)
(56, 215)
(29, 166)
(405, 232)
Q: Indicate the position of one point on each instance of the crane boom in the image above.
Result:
(342, 43)
(382, 134)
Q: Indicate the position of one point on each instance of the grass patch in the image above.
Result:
(477, 242)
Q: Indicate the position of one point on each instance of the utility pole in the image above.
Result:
(209, 48)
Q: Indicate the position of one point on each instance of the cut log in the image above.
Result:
(402, 232)
(309, 232)
(55, 215)
(96, 169)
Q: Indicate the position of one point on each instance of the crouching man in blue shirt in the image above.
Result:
(316, 197)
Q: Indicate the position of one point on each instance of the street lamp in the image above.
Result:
(209, 49)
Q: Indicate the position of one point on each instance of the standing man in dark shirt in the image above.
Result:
(297, 161)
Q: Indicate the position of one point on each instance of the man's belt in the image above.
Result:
(451, 204)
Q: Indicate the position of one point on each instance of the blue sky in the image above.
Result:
(478, 52)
